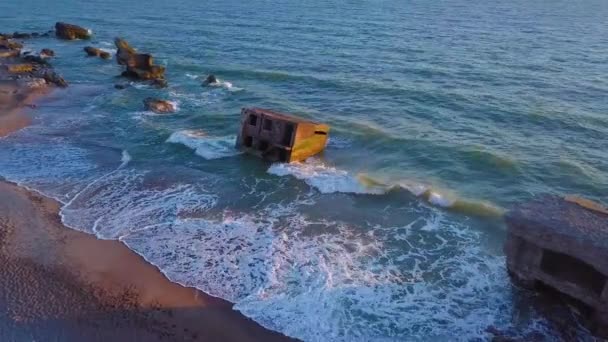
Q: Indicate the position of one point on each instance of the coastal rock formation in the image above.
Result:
(71, 32)
(9, 48)
(28, 69)
(96, 52)
(210, 79)
(562, 243)
(159, 106)
(20, 68)
(139, 66)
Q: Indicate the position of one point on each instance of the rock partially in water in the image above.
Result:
(139, 66)
(96, 52)
(47, 53)
(53, 77)
(210, 79)
(563, 244)
(159, 106)
(36, 59)
(71, 32)
(121, 86)
(22, 35)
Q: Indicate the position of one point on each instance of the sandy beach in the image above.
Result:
(63, 285)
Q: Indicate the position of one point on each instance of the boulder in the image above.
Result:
(52, 77)
(121, 86)
(96, 52)
(159, 106)
(36, 59)
(71, 32)
(47, 53)
(138, 65)
(562, 243)
(124, 51)
(210, 79)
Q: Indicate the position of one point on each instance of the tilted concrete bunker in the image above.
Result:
(562, 243)
(280, 137)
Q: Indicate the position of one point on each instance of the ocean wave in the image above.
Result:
(225, 84)
(315, 279)
(208, 147)
(328, 179)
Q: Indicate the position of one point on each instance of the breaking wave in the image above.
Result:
(208, 147)
(328, 179)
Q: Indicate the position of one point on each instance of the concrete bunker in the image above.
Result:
(564, 249)
(280, 137)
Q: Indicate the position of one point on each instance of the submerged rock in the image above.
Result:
(71, 32)
(96, 52)
(159, 106)
(21, 35)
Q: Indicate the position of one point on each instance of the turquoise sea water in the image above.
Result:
(443, 114)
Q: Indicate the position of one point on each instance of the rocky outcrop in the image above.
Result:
(9, 48)
(562, 243)
(159, 106)
(139, 66)
(96, 52)
(30, 71)
(71, 32)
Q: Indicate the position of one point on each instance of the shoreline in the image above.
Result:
(14, 102)
(65, 284)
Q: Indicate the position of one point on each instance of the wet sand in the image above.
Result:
(12, 99)
(58, 284)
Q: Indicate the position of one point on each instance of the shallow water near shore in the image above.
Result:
(442, 115)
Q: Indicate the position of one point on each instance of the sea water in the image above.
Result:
(443, 114)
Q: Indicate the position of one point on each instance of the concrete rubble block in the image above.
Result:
(280, 137)
(562, 243)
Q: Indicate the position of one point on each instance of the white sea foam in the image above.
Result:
(208, 147)
(125, 158)
(321, 280)
(329, 179)
(226, 85)
(122, 201)
(324, 178)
